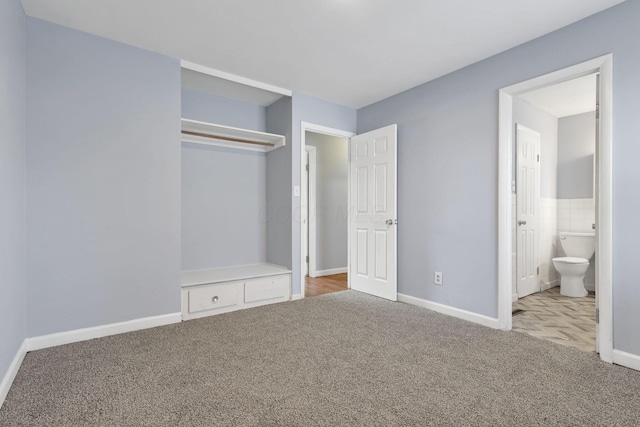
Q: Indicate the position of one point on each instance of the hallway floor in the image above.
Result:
(315, 286)
(563, 320)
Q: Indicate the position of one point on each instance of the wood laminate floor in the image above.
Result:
(564, 320)
(315, 286)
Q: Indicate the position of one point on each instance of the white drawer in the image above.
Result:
(267, 289)
(215, 297)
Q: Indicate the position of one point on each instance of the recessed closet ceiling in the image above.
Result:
(221, 87)
(352, 52)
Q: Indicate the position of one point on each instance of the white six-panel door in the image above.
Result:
(527, 205)
(373, 213)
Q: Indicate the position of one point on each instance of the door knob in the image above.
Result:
(389, 222)
(522, 222)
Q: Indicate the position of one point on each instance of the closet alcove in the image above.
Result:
(229, 225)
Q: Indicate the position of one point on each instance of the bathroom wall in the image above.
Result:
(576, 205)
(576, 150)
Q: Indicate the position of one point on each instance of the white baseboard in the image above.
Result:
(625, 359)
(68, 337)
(329, 272)
(514, 297)
(11, 373)
(548, 285)
(296, 296)
(451, 311)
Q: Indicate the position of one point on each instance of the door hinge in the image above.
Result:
(538, 157)
(597, 111)
(538, 271)
(307, 168)
(307, 258)
(597, 315)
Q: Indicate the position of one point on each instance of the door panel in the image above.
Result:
(372, 218)
(527, 200)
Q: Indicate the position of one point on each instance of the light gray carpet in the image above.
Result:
(339, 359)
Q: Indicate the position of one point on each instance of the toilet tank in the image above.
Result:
(580, 245)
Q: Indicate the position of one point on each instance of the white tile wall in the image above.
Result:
(578, 215)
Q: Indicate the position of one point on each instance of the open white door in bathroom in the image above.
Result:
(372, 213)
(527, 206)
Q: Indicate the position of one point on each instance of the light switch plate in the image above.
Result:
(296, 191)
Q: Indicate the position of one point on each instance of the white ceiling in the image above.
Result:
(569, 98)
(351, 52)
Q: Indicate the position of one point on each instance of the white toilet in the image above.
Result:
(579, 248)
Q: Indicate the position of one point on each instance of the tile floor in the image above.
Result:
(564, 320)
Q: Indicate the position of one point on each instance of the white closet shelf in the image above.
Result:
(226, 136)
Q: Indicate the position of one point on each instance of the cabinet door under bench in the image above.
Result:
(216, 291)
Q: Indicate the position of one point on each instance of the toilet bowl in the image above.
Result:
(572, 271)
(579, 248)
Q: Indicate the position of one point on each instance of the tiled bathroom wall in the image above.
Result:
(578, 215)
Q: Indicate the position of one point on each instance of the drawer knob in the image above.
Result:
(214, 299)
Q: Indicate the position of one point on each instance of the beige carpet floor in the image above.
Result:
(333, 360)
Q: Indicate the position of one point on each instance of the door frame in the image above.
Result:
(520, 127)
(311, 209)
(304, 127)
(604, 231)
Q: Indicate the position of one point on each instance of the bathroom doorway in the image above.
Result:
(555, 212)
(572, 114)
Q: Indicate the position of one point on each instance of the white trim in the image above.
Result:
(505, 165)
(76, 335)
(480, 319)
(312, 209)
(604, 65)
(295, 297)
(234, 78)
(548, 285)
(12, 371)
(625, 359)
(330, 272)
(304, 127)
(514, 298)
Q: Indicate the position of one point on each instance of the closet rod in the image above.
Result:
(226, 138)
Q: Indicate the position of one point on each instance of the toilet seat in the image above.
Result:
(570, 260)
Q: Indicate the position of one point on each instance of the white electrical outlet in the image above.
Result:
(437, 278)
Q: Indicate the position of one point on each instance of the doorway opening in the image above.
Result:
(554, 206)
(325, 210)
(551, 196)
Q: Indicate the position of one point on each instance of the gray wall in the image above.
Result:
(318, 112)
(103, 181)
(223, 190)
(332, 194)
(13, 291)
(448, 166)
(206, 107)
(547, 125)
(576, 151)
(223, 207)
(279, 187)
